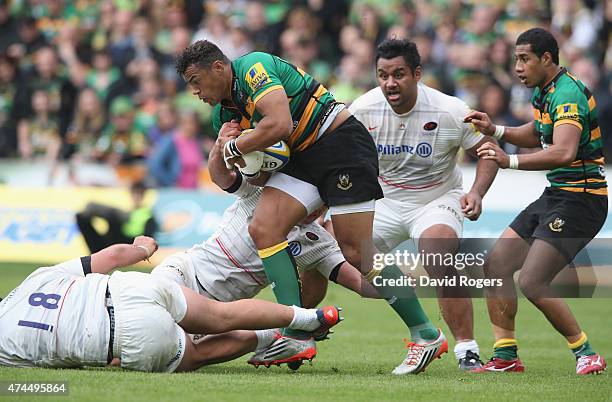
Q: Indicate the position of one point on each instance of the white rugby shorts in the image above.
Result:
(397, 221)
(147, 310)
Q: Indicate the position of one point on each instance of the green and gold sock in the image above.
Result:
(405, 303)
(284, 279)
(506, 349)
(581, 347)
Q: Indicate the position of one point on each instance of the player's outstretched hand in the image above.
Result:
(471, 205)
(148, 245)
(481, 121)
(492, 151)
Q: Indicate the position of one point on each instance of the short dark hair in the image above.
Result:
(541, 41)
(202, 54)
(391, 48)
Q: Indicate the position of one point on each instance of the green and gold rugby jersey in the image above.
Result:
(565, 100)
(257, 74)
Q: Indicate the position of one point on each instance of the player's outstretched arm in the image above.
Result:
(521, 136)
(121, 255)
(560, 153)
(351, 278)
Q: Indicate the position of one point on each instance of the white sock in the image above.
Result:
(265, 337)
(304, 319)
(462, 347)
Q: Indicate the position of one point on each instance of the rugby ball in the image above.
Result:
(249, 164)
(275, 157)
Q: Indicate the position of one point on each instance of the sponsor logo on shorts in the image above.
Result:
(556, 225)
(312, 236)
(178, 354)
(424, 149)
(295, 248)
(178, 271)
(452, 210)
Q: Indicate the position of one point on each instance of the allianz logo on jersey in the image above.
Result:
(422, 149)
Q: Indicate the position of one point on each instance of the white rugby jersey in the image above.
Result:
(56, 318)
(222, 261)
(417, 151)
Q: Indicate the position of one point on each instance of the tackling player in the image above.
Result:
(330, 150)
(418, 132)
(73, 315)
(548, 234)
(226, 266)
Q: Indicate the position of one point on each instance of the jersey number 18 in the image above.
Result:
(49, 301)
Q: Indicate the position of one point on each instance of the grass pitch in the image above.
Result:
(355, 364)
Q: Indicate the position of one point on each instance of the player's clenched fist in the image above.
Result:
(147, 244)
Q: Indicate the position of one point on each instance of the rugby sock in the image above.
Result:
(304, 319)
(581, 347)
(462, 347)
(405, 303)
(284, 279)
(265, 337)
(505, 348)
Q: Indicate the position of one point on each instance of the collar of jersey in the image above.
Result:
(554, 80)
(239, 102)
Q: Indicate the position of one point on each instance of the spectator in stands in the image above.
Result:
(261, 33)
(50, 78)
(574, 23)
(30, 41)
(501, 63)
(86, 128)
(165, 123)
(121, 142)
(123, 226)
(177, 159)
(589, 74)
(494, 100)
(39, 134)
(102, 73)
(10, 89)
(8, 27)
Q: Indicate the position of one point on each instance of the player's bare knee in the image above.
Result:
(352, 254)
(530, 287)
(496, 267)
(264, 233)
(260, 233)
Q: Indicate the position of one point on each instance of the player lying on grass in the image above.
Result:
(73, 314)
(226, 267)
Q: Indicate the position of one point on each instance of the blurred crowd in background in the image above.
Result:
(93, 81)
